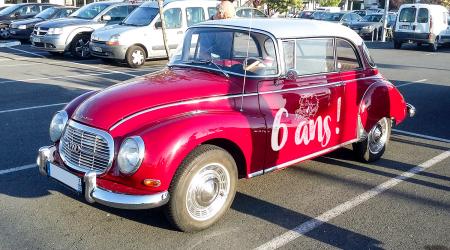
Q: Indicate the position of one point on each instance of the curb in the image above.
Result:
(9, 44)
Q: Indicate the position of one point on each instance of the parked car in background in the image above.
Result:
(420, 23)
(319, 15)
(369, 26)
(362, 13)
(247, 12)
(139, 36)
(72, 34)
(306, 14)
(344, 18)
(445, 35)
(23, 29)
(241, 98)
(19, 12)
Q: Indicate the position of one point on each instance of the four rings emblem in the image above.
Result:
(74, 147)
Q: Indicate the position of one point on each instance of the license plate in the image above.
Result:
(36, 40)
(65, 177)
(96, 49)
(406, 27)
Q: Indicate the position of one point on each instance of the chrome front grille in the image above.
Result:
(86, 149)
(38, 31)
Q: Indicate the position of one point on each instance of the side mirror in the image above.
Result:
(106, 18)
(158, 25)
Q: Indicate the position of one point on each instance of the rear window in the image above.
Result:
(407, 15)
(422, 17)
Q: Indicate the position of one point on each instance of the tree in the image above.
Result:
(329, 3)
(282, 6)
(163, 26)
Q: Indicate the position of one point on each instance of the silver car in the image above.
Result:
(72, 34)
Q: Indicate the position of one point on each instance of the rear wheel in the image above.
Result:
(397, 44)
(79, 47)
(136, 57)
(203, 189)
(373, 147)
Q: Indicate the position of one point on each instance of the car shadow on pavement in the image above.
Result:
(338, 157)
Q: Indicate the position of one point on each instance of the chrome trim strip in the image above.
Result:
(254, 174)
(217, 98)
(286, 164)
(99, 132)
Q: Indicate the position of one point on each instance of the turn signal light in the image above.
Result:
(152, 183)
(115, 43)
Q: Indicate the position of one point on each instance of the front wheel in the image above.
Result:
(136, 57)
(203, 189)
(373, 147)
(80, 46)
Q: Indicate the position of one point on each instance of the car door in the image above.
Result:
(422, 24)
(174, 30)
(352, 76)
(302, 110)
(406, 20)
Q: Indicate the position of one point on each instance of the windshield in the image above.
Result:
(372, 18)
(47, 13)
(211, 48)
(142, 16)
(332, 16)
(9, 10)
(90, 11)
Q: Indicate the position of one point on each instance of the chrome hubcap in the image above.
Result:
(138, 57)
(378, 136)
(208, 191)
(82, 48)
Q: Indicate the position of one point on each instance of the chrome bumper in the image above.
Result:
(411, 110)
(92, 193)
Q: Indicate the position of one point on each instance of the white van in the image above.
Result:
(420, 23)
(139, 36)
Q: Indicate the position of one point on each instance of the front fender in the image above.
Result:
(169, 142)
(381, 99)
(73, 105)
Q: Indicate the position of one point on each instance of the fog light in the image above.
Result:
(152, 183)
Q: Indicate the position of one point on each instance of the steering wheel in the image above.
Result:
(257, 61)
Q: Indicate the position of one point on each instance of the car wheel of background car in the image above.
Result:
(80, 46)
(136, 56)
(434, 46)
(373, 147)
(397, 45)
(4, 33)
(203, 189)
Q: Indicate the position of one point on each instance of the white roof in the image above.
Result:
(283, 28)
(424, 5)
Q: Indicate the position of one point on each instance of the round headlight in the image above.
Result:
(57, 125)
(131, 154)
(22, 27)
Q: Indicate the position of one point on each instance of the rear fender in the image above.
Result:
(381, 99)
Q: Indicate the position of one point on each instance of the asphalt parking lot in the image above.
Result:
(399, 202)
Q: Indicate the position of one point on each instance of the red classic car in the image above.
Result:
(240, 98)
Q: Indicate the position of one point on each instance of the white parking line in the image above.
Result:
(421, 136)
(11, 170)
(33, 107)
(70, 76)
(409, 83)
(27, 52)
(344, 207)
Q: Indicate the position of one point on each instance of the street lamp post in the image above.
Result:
(386, 9)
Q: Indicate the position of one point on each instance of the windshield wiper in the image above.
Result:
(208, 62)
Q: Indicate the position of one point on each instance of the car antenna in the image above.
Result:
(246, 62)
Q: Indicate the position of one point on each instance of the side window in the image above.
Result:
(173, 18)
(44, 7)
(212, 11)
(118, 13)
(194, 15)
(310, 56)
(346, 56)
(422, 16)
(241, 42)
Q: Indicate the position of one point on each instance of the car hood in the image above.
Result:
(113, 104)
(64, 22)
(363, 24)
(104, 33)
(28, 21)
